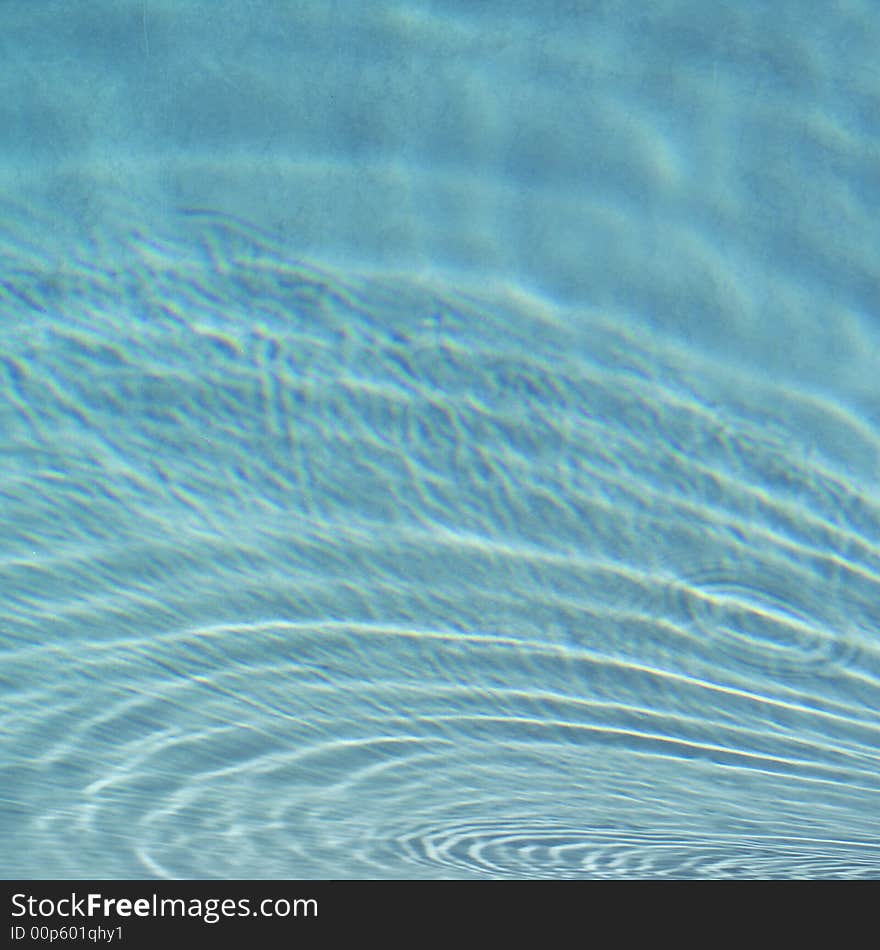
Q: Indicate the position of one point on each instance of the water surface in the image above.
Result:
(439, 442)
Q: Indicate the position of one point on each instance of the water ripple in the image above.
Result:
(312, 576)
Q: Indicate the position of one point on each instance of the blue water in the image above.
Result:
(439, 439)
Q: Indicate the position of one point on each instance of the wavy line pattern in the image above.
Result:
(305, 577)
(433, 449)
(715, 171)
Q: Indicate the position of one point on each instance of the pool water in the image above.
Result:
(439, 440)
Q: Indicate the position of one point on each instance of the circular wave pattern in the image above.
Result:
(520, 848)
(770, 621)
(306, 577)
(361, 750)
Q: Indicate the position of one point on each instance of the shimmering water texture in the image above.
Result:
(310, 575)
(439, 438)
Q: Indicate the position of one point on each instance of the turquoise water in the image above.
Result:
(439, 439)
